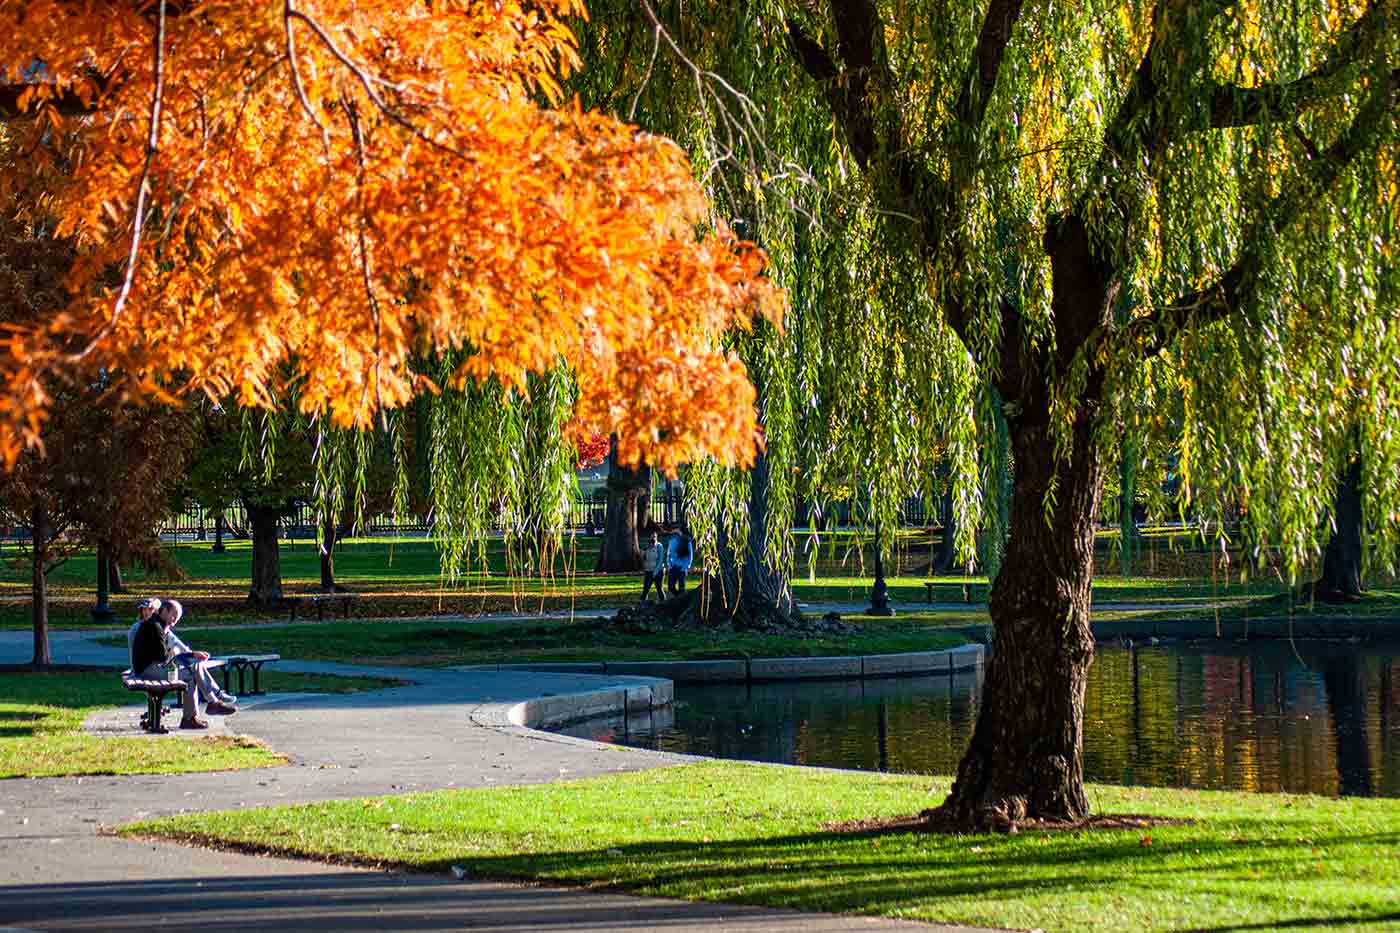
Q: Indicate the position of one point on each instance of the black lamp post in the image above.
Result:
(102, 613)
(879, 593)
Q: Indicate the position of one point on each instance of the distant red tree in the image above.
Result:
(592, 447)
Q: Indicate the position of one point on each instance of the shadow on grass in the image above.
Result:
(869, 873)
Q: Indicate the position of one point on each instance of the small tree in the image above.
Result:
(270, 475)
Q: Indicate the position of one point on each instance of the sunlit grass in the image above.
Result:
(756, 834)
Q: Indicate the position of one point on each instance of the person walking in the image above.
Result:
(679, 553)
(654, 568)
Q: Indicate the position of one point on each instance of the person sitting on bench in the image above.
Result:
(192, 666)
(150, 659)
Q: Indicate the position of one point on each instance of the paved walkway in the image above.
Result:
(450, 729)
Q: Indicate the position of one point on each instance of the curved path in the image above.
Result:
(58, 871)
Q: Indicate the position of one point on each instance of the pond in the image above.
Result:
(1307, 718)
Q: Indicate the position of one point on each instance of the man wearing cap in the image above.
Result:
(193, 667)
(144, 610)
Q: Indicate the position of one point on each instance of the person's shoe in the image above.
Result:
(195, 723)
(220, 709)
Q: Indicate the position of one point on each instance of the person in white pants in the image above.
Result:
(193, 665)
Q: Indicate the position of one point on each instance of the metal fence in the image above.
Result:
(586, 515)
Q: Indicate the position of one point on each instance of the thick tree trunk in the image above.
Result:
(218, 547)
(328, 537)
(39, 592)
(629, 499)
(267, 559)
(1025, 759)
(1341, 563)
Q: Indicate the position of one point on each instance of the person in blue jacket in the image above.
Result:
(680, 552)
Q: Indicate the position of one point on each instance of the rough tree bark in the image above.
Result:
(629, 500)
(1341, 563)
(39, 592)
(1026, 755)
(266, 587)
(328, 538)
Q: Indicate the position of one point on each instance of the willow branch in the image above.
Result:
(1313, 179)
(1231, 105)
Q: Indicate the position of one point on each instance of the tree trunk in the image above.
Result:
(945, 558)
(218, 547)
(629, 499)
(1025, 759)
(1341, 563)
(328, 537)
(102, 613)
(267, 559)
(114, 577)
(39, 593)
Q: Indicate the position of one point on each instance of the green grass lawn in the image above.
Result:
(449, 642)
(401, 578)
(41, 717)
(755, 834)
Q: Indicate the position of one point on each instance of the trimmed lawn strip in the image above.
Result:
(450, 643)
(41, 718)
(402, 578)
(753, 834)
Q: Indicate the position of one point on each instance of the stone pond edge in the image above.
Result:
(760, 670)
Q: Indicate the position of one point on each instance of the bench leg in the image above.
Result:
(345, 608)
(154, 710)
(257, 666)
(320, 611)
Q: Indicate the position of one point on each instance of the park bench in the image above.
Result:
(320, 601)
(962, 591)
(155, 691)
(243, 663)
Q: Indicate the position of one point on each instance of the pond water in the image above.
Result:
(1321, 719)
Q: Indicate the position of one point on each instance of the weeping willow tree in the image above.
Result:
(1059, 209)
(856, 395)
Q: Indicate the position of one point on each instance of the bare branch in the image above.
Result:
(138, 213)
(296, 75)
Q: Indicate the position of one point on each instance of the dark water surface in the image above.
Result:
(1323, 720)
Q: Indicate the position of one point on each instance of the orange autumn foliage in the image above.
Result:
(340, 188)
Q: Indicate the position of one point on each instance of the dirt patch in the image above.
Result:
(925, 823)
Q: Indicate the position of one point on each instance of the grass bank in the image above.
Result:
(755, 834)
(448, 643)
(41, 717)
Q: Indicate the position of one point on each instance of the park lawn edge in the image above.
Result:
(753, 834)
(59, 746)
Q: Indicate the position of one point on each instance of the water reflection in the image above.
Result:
(1259, 718)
